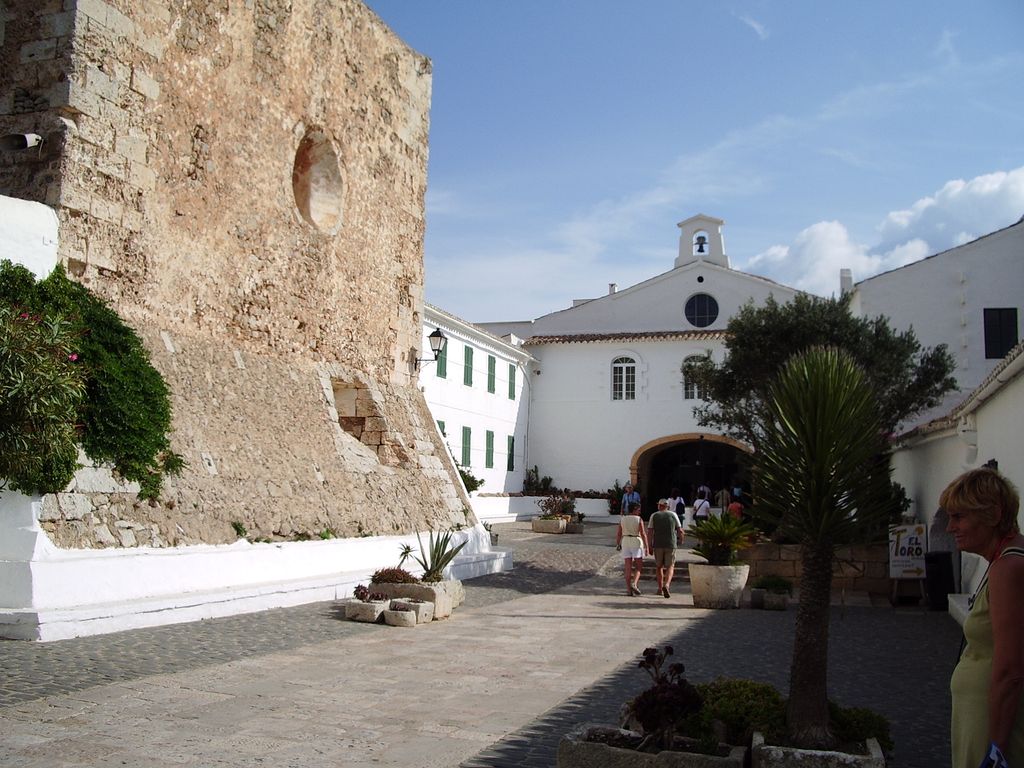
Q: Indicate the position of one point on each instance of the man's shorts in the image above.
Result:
(664, 556)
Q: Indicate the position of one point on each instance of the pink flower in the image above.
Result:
(73, 356)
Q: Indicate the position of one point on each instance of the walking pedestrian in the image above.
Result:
(631, 540)
(629, 496)
(667, 532)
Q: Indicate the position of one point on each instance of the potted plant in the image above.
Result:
(669, 724)
(434, 559)
(399, 615)
(556, 511)
(368, 605)
(719, 582)
(771, 592)
(575, 524)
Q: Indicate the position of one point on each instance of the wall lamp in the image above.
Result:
(438, 341)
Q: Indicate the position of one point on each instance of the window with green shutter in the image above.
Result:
(511, 463)
(467, 367)
(489, 450)
(511, 382)
(491, 363)
(467, 452)
(442, 363)
(440, 425)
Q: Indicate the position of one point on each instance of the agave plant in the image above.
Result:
(436, 557)
(720, 538)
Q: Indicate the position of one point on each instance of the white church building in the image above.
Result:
(607, 398)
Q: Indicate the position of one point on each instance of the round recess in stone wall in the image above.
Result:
(317, 182)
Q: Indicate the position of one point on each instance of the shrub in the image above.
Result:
(125, 416)
(362, 592)
(557, 505)
(780, 585)
(662, 708)
(733, 709)
(393, 576)
(436, 557)
(721, 537)
(471, 481)
(41, 392)
(855, 724)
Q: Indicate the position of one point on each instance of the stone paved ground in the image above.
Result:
(54, 695)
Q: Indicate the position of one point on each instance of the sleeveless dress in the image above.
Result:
(969, 686)
(631, 540)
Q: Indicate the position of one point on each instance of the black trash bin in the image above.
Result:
(938, 574)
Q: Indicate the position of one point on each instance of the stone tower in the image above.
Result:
(244, 182)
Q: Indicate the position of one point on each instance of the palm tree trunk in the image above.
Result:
(807, 711)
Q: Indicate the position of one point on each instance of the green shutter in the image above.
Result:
(489, 452)
(442, 363)
(511, 382)
(511, 464)
(467, 368)
(467, 452)
(440, 425)
(490, 373)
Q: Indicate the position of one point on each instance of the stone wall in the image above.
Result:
(862, 568)
(244, 182)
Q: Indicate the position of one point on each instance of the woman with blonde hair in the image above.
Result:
(988, 682)
(631, 540)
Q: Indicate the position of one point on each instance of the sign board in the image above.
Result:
(907, 547)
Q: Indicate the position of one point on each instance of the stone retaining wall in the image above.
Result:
(863, 568)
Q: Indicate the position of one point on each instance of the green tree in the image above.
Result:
(41, 390)
(817, 434)
(905, 377)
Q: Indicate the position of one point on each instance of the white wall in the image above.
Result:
(458, 405)
(28, 235)
(943, 297)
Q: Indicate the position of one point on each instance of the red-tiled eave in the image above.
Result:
(592, 338)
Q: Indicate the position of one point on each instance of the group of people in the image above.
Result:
(987, 685)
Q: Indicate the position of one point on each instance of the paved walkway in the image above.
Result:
(531, 653)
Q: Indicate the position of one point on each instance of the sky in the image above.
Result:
(568, 137)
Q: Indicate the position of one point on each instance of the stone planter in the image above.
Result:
(767, 756)
(445, 595)
(757, 597)
(423, 610)
(398, 618)
(776, 601)
(574, 527)
(537, 525)
(368, 612)
(717, 586)
(574, 751)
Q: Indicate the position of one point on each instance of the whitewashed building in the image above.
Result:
(477, 391)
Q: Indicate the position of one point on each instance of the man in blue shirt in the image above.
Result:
(629, 497)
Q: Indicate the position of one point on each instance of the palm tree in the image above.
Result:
(822, 439)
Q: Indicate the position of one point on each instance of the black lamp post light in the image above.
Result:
(438, 341)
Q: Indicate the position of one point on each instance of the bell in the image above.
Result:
(701, 242)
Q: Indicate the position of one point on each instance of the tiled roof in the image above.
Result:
(591, 338)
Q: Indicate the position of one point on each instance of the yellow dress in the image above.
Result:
(969, 686)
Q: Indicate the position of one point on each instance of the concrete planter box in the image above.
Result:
(368, 612)
(421, 609)
(574, 527)
(717, 586)
(767, 756)
(445, 595)
(574, 751)
(537, 525)
(775, 601)
(398, 618)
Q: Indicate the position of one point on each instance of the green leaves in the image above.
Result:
(721, 537)
(820, 440)
(437, 556)
(124, 413)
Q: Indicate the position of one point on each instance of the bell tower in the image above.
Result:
(700, 239)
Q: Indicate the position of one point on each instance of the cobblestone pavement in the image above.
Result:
(895, 661)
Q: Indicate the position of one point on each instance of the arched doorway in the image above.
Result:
(686, 461)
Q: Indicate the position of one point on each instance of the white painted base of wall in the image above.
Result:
(510, 509)
(47, 593)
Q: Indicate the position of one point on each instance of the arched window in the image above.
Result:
(623, 378)
(691, 389)
(701, 310)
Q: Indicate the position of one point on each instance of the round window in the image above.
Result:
(701, 310)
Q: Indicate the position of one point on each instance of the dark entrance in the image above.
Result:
(686, 466)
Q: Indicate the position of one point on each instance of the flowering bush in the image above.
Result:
(125, 414)
(41, 391)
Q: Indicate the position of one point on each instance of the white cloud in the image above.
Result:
(759, 29)
(959, 212)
